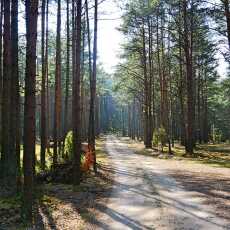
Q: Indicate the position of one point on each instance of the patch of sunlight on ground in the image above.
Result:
(216, 155)
(102, 157)
(138, 147)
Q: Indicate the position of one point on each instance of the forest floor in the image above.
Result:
(59, 206)
(216, 155)
(134, 189)
(64, 208)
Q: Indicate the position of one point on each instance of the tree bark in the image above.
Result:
(66, 112)
(76, 100)
(30, 105)
(188, 49)
(57, 106)
(15, 96)
(8, 156)
(148, 137)
(47, 81)
(1, 86)
(43, 90)
(227, 15)
(93, 81)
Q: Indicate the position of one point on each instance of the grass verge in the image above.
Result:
(216, 155)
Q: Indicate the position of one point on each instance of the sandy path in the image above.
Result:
(146, 194)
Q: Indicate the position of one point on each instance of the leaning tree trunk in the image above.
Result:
(30, 105)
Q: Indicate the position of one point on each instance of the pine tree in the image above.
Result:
(31, 8)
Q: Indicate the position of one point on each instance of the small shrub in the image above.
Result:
(163, 137)
(69, 145)
(86, 158)
(156, 138)
(160, 137)
(216, 136)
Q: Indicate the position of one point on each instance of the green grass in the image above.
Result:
(102, 156)
(10, 211)
(217, 155)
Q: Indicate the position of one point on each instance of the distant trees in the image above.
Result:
(166, 67)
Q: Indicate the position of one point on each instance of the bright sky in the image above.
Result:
(109, 38)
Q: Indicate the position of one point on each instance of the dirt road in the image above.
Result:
(150, 193)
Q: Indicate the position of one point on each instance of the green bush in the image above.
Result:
(216, 135)
(69, 145)
(160, 137)
(68, 151)
(156, 138)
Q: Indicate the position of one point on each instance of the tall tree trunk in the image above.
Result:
(164, 88)
(43, 131)
(1, 84)
(47, 80)
(8, 156)
(190, 82)
(73, 44)
(97, 116)
(123, 121)
(15, 101)
(227, 15)
(90, 75)
(66, 112)
(129, 121)
(77, 100)
(30, 105)
(83, 94)
(57, 106)
(205, 110)
(181, 95)
(148, 137)
(199, 123)
(93, 90)
(150, 94)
